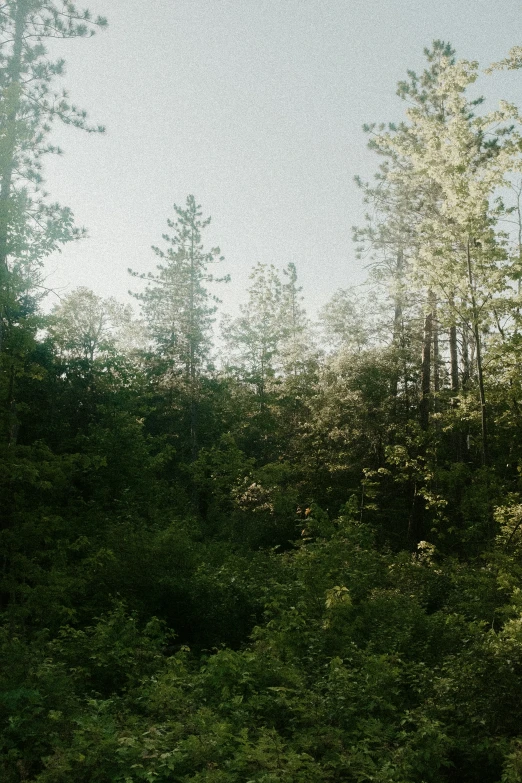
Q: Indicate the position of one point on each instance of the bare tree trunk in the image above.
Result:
(398, 324)
(405, 373)
(261, 384)
(478, 349)
(7, 158)
(465, 356)
(192, 379)
(416, 520)
(436, 354)
(454, 376)
(11, 100)
(454, 358)
(12, 420)
(424, 407)
(394, 385)
(518, 192)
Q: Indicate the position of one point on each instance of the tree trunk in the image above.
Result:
(11, 99)
(416, 522)
(478, 350)
(466, 374)
(192, 379)
(12, 419)
(454, 378)
(424, 407)
(436, 355)
(454, 358)
(398, 325)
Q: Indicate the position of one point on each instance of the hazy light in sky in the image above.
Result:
(255, 107)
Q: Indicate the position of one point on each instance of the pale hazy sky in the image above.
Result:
(256, 108)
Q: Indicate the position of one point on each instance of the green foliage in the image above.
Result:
(176, 305)
(280, 571)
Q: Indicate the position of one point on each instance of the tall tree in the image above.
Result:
(253, 340)
(177, 305)
(30, 226)
(343, 323)
(296, 343)
(459, 159)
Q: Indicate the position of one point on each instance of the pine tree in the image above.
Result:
(458, 160)
(178, 307)
(253, 340)
(31, 226)
(296, 343)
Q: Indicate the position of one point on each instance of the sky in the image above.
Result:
(256, 108)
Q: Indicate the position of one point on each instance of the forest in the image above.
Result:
(265, 548)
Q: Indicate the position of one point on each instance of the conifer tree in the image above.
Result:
(253, 340)
(296, 343)
(177, 305)
(31, 226)
(458, 160)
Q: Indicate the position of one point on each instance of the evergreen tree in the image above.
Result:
(31, 226)
(458, 160)
(178, 307)
(253, 340)
(296, 343)
(389, 238)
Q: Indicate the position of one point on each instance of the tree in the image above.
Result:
(510, 63)
(391, 235)
(85, 326)
(296, 341)
(343, 323)
(389, 239)
(459, 160)
(253, 340)
(178, 307)
(31, 227)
